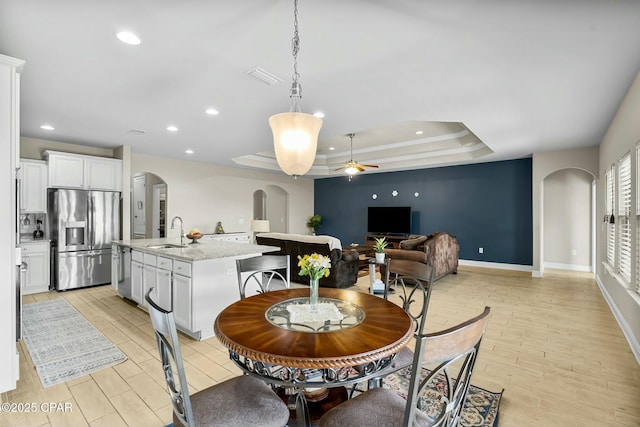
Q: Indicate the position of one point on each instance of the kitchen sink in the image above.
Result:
(165, 246)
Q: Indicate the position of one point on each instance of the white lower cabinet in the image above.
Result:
(36, 256)
(148, 282)
(182, 307)
(137, 273)
(162, 294)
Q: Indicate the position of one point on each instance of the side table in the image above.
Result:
(373, 263)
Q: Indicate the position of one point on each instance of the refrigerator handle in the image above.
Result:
(90, 219)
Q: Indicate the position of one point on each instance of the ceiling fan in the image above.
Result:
(352, 167)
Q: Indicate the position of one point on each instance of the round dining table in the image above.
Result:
(359, 336)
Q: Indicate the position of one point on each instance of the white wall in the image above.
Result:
(567, 220)
(203, 194)
(621, 137)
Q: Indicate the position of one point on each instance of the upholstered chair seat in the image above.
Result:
(239, 401)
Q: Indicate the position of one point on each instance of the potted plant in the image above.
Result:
(314, 222)
(378, 248)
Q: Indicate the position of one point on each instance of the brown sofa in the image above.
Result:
(439, 250)
(344, 265)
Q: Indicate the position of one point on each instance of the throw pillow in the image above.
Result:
(412, 243)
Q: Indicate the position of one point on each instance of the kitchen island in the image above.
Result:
(195, 281)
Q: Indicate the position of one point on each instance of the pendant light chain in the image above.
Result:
(296, 88)
(295, 42)
(295, 134)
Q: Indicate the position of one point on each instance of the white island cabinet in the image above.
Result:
(196, 282)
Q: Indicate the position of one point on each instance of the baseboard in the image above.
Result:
(497, 265)
(571, 267)
(631, 339)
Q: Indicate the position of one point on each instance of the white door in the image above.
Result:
(139, 208)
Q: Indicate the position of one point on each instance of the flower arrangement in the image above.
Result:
(379, 245)
(315, 266)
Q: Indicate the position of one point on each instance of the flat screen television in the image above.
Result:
(389, 219)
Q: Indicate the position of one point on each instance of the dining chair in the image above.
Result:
(265, 272)
(414, 293)
(239, 401)
(436, 394)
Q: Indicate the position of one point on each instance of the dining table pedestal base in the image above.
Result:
(316, 408)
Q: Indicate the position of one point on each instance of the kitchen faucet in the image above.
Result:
(173, 223)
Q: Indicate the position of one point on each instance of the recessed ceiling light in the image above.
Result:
(319, 114)
(332, 148)
(172, 128)
(47, 127)
(419, 132)
(212, 111)
(128, 38)
(189, 151)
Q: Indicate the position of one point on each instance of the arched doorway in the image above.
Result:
(568, 220)
(272, 204)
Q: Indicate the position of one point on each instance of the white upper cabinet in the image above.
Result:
(103, 174)
(85, 172)
(66, 171)
(33, 186)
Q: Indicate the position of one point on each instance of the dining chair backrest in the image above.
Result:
(170, 357)
(415, 294)
(453, 352)
(265, 272)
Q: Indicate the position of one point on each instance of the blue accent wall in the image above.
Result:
(486, 205)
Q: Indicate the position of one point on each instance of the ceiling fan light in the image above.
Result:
(351, 170)
(295, 140)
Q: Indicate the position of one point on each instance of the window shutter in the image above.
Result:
(624, 218)
(611, 229)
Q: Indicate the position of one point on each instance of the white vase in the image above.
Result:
(380, 257)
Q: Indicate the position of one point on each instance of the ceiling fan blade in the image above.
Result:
(359, 168)
(369, 166)
(335, 170)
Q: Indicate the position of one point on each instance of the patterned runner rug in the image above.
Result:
(63, 344)
(480, 407)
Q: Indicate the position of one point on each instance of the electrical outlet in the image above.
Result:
(574, 252)
(480, 250)
(241, 221)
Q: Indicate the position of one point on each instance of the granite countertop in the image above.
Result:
(203, 250)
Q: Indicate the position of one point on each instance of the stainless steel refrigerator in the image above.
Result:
(82, 225)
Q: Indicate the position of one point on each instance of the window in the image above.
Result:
(637, 284)
(623, 221)
(611, 229)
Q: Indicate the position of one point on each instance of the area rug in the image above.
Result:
(480, 407)
(63, 344)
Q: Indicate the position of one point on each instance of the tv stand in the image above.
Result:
(393, 239)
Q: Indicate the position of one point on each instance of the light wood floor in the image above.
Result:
(552, 344)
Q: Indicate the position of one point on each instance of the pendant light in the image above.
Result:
(295, 134)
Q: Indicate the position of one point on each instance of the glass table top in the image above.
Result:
(332, 315)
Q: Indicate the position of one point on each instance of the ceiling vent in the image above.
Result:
(264, 76)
